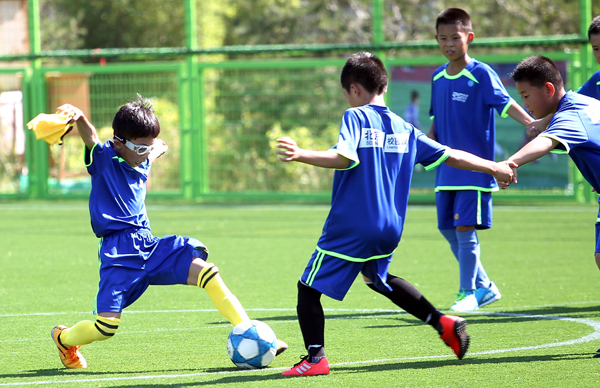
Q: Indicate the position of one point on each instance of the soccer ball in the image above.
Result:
(252, 344)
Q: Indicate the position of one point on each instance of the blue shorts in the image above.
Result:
(597, 237)
(598, 232)
(333, 276)
(464, 207)
(133, 259)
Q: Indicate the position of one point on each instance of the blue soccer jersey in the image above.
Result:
(576, 126)
(592, 87)
(462, 109)
(369, 199)
(118, 191)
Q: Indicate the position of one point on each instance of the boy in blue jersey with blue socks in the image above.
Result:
(374, 161)
(131, 258)
(464, 94)
(574, 127)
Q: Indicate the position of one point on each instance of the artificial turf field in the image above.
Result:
(542, 333)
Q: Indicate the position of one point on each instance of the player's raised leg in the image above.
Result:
(206, 275)
(69, 340)
(403, 294)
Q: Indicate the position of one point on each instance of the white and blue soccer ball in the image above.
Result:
(252, 344)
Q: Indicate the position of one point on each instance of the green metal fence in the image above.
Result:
(220, 118)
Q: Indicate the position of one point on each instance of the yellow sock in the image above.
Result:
(222, 298)
(86, 332)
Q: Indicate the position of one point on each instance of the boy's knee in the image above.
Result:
(598, 259)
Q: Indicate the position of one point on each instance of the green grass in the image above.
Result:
(541, 333)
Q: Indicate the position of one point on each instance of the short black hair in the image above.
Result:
(136, 119)
(454, 16)
(414, 95)
(594, 27)
(537, 70)
(367, 70)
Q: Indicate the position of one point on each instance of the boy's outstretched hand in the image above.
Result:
(506, 174)
(288, 148)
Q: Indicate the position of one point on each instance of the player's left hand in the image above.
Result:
(288, 148)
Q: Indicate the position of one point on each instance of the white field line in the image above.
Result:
(317, 207)
(590, 337)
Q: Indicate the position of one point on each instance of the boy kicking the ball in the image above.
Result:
(131, 258)
(374, 161)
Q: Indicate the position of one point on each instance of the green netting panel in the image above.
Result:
(100, 96)
(13, 167)
(246, 110)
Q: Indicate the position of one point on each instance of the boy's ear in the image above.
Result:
(550, 89)
(470, 37)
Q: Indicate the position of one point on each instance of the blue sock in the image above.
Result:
(450, 236)
(468, 260)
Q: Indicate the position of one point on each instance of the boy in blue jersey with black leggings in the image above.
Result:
(131, 258)
(574, 127)
(374, 161)
(464, 94)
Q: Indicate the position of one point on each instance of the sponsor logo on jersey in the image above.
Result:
(460, 97)
(397, 142)
(371, 138)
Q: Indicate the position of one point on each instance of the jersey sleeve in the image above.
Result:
(93, 158)
(349, 138)
(592, 87)
(567, 130)
(430, 153)
(495, 93)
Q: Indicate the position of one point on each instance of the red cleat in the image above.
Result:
(305, 368)
(455, 334)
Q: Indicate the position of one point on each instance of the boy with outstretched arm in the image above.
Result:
(373, 161)
(574, 127)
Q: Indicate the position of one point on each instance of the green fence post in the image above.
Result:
(38, 172)
(582, 189)
(198, 146)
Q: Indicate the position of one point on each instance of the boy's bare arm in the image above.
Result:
(327, 159)
(518, 114)
(431, 133)
(538, 126)
(533, 150)
(86, 130)
(467, 161)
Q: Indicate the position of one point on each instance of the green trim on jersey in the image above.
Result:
(463, 72)
(356, 162)
(441, 160)
(504, 113)
(91, 153)
(343, 257)
(463, 188)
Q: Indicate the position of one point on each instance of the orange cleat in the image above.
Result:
(69, 355)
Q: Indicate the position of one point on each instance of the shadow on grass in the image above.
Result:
(276, 379)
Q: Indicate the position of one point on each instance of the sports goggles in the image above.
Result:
(139, 149)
